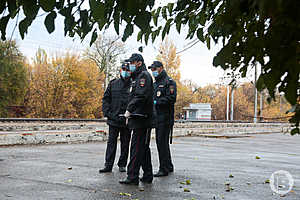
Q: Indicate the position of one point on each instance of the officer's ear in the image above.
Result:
(139, 63)
(160, 69)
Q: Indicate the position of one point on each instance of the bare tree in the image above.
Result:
(105, 52)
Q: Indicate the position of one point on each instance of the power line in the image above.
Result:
(188, 47)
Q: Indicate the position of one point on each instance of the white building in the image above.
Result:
(198, 111)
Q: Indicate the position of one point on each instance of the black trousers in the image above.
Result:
(112, 146)
(140, 154)
(162, 134)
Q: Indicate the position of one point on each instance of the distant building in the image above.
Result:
(198, 111)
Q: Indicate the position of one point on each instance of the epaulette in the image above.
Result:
(144, 73)
(170, 80)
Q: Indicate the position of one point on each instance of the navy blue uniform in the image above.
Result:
(165, 93)
(140, 102)
(114, 103)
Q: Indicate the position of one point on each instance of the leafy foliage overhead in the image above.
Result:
(262, 32)
(78, 20)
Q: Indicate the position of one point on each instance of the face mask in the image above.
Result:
(132, 67)
(155, 73)
(125, 74)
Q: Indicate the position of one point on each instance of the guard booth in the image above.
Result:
(198, 111)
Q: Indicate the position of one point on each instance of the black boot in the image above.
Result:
(160, 173)
(171, 169)
(146, 180)
(129, 182)
(105, 170)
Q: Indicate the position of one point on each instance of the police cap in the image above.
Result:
(125, 66)
(135, 57)
(156, 64)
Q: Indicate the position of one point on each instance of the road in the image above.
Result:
(70, 171)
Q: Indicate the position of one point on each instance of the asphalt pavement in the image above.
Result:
(205, 168)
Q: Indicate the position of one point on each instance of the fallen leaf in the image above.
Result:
(125, 194)
(186, 190)
(257, 157)
(188, 182)
(231, 176)
(267, 181)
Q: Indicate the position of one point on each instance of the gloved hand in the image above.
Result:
(127, 114)
(154, 102)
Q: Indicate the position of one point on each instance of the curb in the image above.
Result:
(34, 138)
(34, 134)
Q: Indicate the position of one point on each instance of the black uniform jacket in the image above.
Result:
(141, 99)
(165, 93)
(115, 100)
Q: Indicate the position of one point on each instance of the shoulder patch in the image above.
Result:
(142, 82)
(172, 89)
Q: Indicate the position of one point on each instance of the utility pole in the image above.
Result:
(255, 92)
(261, 105)
(280, 103)
(227, 104)
(232, 100)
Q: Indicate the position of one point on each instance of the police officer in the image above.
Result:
(139, 115)
(114, 103)
(164, 100)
